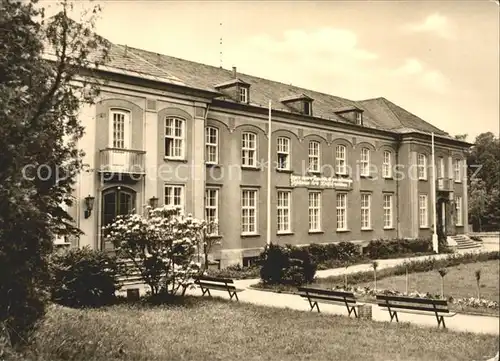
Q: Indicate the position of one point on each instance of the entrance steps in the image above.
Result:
(462, 242)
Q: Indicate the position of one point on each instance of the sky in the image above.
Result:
(437, 59)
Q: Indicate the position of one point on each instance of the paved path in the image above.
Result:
(460, 322)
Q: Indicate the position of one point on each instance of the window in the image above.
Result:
(314, 156)
(365, 162)
(307, 108)
(458, 202)
(283, 153)
(212, 210)
(243, 95)
(174, 138)
(359, 118)
(341, 211)
(174, 196)
(249, 149)
(422, 166)
(119, 129)
(340, 160)
(314, 211)
(211, 145)
(388, 211)
(248, 211)
(458, 171)
(440, 172)
(366, 211)
(387, 165)
(284, 212)
(422, 211)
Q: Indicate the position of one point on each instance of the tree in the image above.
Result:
(375, 266)
(462, 137)
(484, 164)
(478, 199)
(478, 281)
(39, 103)
(442, 272)
(161, 246)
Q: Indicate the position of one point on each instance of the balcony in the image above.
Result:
(121, 161)
(444, 185)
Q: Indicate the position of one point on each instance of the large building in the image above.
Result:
(170, 131)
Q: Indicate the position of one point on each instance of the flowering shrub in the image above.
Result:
(160, 246)
(463, 302)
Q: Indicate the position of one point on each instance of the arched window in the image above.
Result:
(340, 159)
(175, 137)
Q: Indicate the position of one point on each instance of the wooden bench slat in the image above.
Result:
(329, 298)
(426, 313)
(215, 279)
(326, 292)
(405, 299)
(396, 307)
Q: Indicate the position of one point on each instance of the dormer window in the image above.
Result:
(243, 94)
(300, 103)
(359, 118)
(307, 108)
(350, 113)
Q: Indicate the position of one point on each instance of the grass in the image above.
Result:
(220, 330)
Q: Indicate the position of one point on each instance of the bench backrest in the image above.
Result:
(327, 295)
(412, 303)
(215, 281)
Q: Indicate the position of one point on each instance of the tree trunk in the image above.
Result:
(442, 287)
(406, 281)
(478, 290)
(375, 276)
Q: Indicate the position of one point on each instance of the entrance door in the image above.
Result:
(443, 217)
(115, 202)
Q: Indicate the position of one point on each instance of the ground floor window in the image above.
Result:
(283, 209)
(174, 196)
(458, 202)
(422, 211)
(314, 211)
(341, 211)
(366, 200)
(248, 211)
(212, 210)
(388, 211)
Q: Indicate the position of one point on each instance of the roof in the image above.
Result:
(349, 108)
(295, 97)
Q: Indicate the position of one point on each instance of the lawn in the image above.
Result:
(459, 282)
(207, 329)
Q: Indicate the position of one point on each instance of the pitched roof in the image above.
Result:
(378, 113)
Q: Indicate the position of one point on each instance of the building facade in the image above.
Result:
(170, 131)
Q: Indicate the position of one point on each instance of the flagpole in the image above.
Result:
(435, 242)
(269, 169)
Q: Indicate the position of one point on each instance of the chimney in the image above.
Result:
(234, 72)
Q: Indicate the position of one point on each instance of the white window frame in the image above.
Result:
(422, 166)
(387, 164)
(243, 95)
(387, 207)
(307, 107)
(314, 211)
(457, 171)
(246, 227)
(341, 206)
(423, 211)
(365, 162)
(170, 198)
(249, 149)
(459, 205)
(314, 155)
(212, 210)
(341, 159)
(284, 211)
(366, 213)
(115, 143)
(211, 145)
(359, 118)
(177, 146)
(283, 145)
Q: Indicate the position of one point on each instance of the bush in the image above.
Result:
(379, 249)
(82, 277)
(236, 272)
(287, 265)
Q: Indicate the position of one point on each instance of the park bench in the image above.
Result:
(425, 306)
(220, 284)
(315, 295)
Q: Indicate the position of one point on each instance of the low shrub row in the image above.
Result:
(416, 266)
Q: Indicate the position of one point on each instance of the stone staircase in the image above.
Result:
(463, 242)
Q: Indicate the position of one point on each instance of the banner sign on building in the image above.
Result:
(321, 182)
